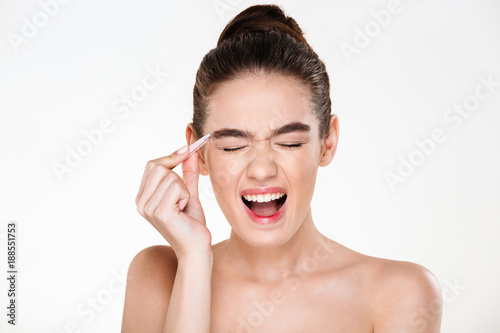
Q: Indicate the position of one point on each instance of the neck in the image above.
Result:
(272, 263)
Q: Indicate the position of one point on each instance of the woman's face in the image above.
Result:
(264, 139)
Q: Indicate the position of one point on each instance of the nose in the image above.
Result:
(262, 165)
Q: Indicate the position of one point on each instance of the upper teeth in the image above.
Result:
(263, 197)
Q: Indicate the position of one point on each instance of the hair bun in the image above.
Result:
(262, 18)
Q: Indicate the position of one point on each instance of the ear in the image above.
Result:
(329, 145)
(191, 138)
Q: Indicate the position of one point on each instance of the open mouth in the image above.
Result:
(265, 205)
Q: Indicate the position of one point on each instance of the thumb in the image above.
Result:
(191, 174)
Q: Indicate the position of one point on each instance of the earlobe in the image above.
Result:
(202, 165)
(330, 143)
(191, 138)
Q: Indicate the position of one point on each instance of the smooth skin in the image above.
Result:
(285, 277)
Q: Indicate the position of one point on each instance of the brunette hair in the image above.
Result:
(262, 40)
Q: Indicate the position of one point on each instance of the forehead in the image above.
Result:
(259, 103)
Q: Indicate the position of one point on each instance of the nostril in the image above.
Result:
(262, 168)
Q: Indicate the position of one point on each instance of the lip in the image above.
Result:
(263, 190)
(264, 219)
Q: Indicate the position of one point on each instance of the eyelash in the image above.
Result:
(291, 146)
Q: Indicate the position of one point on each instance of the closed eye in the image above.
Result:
(291, 146)
(230, 150)
(286, 146)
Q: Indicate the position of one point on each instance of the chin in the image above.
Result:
(262, 239)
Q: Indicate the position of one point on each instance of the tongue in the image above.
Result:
(264, 208)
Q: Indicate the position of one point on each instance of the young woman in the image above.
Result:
(263, 96)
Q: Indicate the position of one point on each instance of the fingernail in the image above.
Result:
(182, 150)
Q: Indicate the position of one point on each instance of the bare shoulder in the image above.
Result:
(397, 296)
(158, 258)
(404, 296)
(150, 279)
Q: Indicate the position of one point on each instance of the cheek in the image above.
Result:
(223, 171)
(301, 174)
(301, 170)
(303, 160)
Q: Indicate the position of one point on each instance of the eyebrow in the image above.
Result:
(233, 132)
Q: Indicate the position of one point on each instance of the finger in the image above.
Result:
(169, 205)
(191, 173)
(170, 162)
(173, 189)
(156, 175)
(143, 180)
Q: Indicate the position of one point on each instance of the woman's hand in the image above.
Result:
(171, 204)
(177, 298)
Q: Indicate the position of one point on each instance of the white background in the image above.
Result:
(77, 236)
